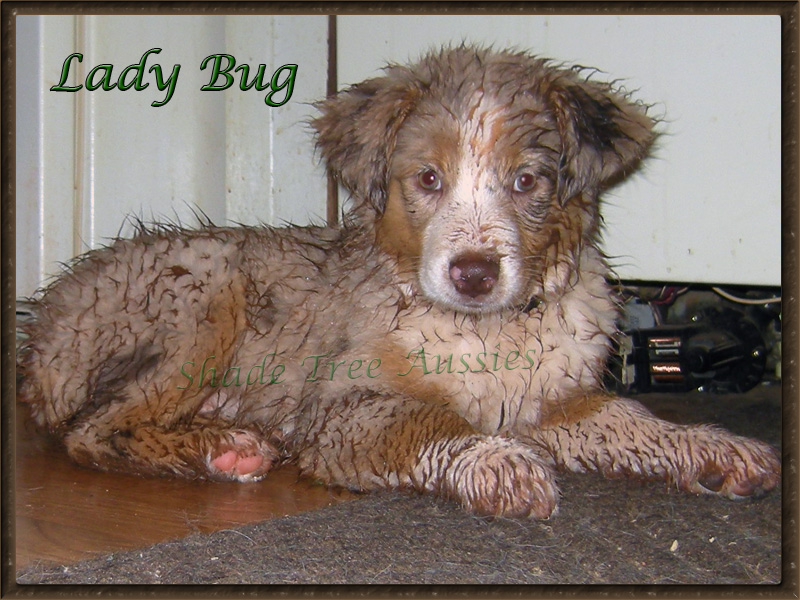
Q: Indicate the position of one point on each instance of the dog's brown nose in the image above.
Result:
(474, 275)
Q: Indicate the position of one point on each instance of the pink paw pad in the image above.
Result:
(231, 462)
(242, 457)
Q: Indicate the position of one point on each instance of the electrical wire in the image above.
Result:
(733, 298)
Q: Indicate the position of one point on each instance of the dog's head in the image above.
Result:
(480, 170)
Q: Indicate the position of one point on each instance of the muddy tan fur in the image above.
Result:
(475, 178)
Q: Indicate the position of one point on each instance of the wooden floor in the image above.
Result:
(65, 513)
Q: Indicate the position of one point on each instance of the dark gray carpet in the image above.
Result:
(615, 532)
(605, 532)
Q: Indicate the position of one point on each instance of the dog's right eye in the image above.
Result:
(429, 180)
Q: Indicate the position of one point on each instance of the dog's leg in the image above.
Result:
(118, 439)
(621, 437)
(377, 442)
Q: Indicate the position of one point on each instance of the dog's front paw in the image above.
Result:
(731, 466)
(241, 456)
(500, 477)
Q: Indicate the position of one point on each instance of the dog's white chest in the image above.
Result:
(499, 371)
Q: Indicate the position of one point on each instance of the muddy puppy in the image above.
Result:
(449, 338)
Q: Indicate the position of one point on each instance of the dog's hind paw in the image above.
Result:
(501, 477)
(242, 457)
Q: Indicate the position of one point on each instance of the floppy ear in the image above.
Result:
(604, 135)
(357, 129)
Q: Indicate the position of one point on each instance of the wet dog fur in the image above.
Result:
(450, 337)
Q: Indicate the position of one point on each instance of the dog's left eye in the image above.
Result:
(524, 182)
(429, 180)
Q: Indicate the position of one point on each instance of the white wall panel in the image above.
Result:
(89, 159)
(45, 168)
(272, 174)
(707, 207)
(146, 160)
